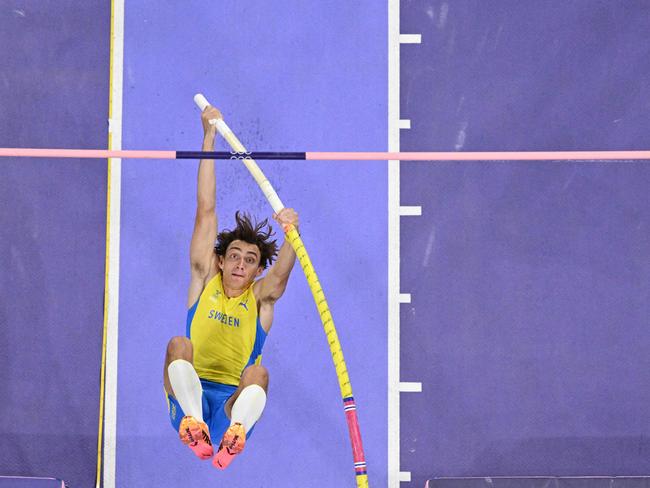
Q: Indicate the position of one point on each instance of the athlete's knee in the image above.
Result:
(179, 347)
(257, 374)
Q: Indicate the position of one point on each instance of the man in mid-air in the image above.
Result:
(213, 378)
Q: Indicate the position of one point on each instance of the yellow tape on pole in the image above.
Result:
(323, 310)
(337, 355)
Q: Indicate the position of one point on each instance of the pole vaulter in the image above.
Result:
(291, 234)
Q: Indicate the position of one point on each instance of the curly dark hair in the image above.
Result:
(257, 233)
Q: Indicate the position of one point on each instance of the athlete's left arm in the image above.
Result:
(272, 286)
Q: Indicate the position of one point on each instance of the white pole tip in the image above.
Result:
(201, 101)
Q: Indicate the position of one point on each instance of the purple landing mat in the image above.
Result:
(53, 93)
(287, 76)
(530, 282)
(542, 482)
(26, 482)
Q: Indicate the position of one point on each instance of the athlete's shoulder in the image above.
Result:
(213, 289)
(214, 281)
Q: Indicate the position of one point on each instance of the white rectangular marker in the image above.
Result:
(410, 387)
(405, 123)
(410, 38)
(405, 476)
(405, 298)
(414, 210)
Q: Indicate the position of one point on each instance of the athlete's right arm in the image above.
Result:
(205, 223)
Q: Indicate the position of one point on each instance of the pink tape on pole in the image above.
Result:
(350, 408)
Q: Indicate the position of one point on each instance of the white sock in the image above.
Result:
(248, 407)
(187, 387)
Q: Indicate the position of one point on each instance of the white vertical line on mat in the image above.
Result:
(113, 271)
(393, 244)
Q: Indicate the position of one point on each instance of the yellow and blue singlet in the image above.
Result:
(226, 333)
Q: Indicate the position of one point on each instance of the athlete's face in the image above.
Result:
(241, 264)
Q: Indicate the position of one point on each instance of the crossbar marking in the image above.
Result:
(410, 387)
(413, 210)
(410, 38)
(405, 476)
(404, 123)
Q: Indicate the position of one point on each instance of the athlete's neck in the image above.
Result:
(233, 292)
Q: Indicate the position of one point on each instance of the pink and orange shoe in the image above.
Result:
(196, 435)
(233, 443)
